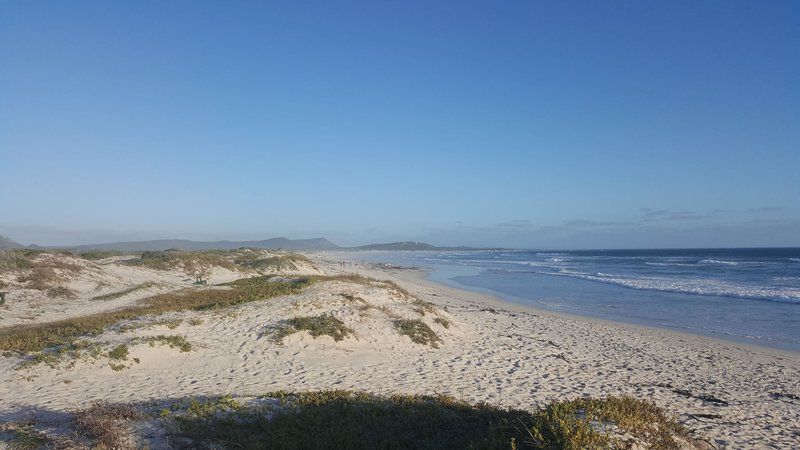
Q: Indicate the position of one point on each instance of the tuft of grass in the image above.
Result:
(418, 331)
(17, 259)
(212, 407)
(284, 262)
(336, 419)
(174, 341)
(41, 270)
(586, 422)
(321, 325)
(119, 352)
(422, 307)
(171, 324)
(69, 353)
(94, 255)
(189, 262)
(106, 425)
(37, 337)
(124, 292)
(23, 436)
(442, 321)
(195, 321)
(354, 420)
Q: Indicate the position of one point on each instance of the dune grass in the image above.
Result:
(106, 425)
(418, 331)
(38, 269)
(321, 325)
(356, 420)
(579, 424)
(124, 292)
(23, 436)
(36, 337)
(184, 260)
(94, 255)
(119, 352)
(442, 321)
(174, 341)
(281, 262)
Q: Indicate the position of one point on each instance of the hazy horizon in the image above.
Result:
(364, 243)
(536, 125)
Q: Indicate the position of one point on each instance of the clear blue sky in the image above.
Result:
(530, 124)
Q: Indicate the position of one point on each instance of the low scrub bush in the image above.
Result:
(174, 341)
(321, 325)
(36, 337)
(106, 425)
(124, 292)
(418, 331)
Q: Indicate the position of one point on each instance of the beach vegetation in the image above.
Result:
(39, 336)
(605, 423)
(353, 420)
(316, 326)
(119, 352)
(189, 262)
(57, 356)
(95, 255)
(37, 269)
(169, 323)
(277, 263)
(124, 292)
(23, 435)
(418, 331)
(173, 341)
(442, 321)
(335, 419)
(106, 425)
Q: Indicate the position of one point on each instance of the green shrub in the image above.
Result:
(321, 325)
(94, 255)
(124, 292)
(175, 341)
(119, 352)
(418, 331)
(354, 420)
(36, 337)
(580, 423)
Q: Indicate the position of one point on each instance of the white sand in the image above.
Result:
(493, 351)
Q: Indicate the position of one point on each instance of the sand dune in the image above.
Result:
(482, 350)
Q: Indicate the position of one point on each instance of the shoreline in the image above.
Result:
(483, 350)
(500, 301)
(423, 275)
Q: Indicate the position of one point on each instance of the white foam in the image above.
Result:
(696, 286)
(717, 261)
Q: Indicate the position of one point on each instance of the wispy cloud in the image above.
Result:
(767, 209)
(652, 215)
(516, 224)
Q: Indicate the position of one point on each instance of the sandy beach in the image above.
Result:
(728, 394)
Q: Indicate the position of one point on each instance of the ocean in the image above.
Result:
(746, 295)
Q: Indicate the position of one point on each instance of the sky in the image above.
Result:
(575, 124)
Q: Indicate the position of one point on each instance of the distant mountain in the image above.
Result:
(268, 244)
(8, 243)
(407, 246)
(185, 244)
(397, 246)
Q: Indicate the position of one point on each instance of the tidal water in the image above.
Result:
(746, 295)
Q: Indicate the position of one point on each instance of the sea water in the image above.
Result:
(747, 295)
